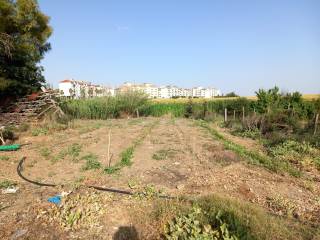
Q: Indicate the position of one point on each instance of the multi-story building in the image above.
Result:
(169, 91)
(201, 92)
(80, 89)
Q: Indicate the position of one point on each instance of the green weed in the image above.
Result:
(251, 156)
(302, 154)
(112, 169)
(7, 183)
(127, 155)
(4, 158)
(202, 218)
(91, 162)
(190, 226)
(40, 131)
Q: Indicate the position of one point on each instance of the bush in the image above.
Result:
(190, 226)
(302, 154)
(217, 217)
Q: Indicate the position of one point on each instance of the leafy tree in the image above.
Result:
(268, 99)
(24, 32)
(90, 92)
(231, 94)
(82, 93)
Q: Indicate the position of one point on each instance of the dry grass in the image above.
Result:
(200, 100)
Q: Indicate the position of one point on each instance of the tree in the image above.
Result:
(24, 32)
(268, 100)
(231, 94)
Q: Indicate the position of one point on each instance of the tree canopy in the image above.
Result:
(24, 31)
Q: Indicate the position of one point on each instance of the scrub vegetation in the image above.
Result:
(174, 149)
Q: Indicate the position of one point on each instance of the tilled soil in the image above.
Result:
(176, 157)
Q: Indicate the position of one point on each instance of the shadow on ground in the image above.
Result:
(126, 233)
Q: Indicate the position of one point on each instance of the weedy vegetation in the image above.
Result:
(127, 154)
(217, 217)
(7, 184)
(91, 162)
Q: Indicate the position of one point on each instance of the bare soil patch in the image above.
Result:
(195, 164)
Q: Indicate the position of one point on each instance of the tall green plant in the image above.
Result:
(24, 31)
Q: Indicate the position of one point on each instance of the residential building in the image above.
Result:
(80, 89)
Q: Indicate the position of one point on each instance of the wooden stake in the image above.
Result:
(138, 113)
(1, 138)
(109, 143)
(242, 113)
(225, 115)
(234, 115)
(316, 124)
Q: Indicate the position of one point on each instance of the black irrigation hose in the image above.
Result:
(20, 169)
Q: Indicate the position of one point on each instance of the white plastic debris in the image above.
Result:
(10, 190)
(64, 194)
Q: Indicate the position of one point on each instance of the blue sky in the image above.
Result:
(229, 44)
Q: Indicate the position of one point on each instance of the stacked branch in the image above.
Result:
(31, 108)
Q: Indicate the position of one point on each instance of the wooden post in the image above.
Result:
(254, 112)
(138, 113)
(316, 124)
(2, 138)
(109, 143)
(234, 115)
(242, 113)
(225, 115)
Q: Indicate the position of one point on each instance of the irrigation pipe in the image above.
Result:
(113, 190)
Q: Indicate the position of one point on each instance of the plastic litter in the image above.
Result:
(10, 190)
(55, 199)
(13, 147)
(64, 194)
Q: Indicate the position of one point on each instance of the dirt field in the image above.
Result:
(176, 156)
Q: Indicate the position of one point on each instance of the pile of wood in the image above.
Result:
(31, 108)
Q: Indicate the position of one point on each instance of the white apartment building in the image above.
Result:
(80, 89)
(169, 91)
(201, 92)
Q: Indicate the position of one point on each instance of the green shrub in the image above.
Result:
(301, 154)
(191, 226)
(252, 133)
(8, 134)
